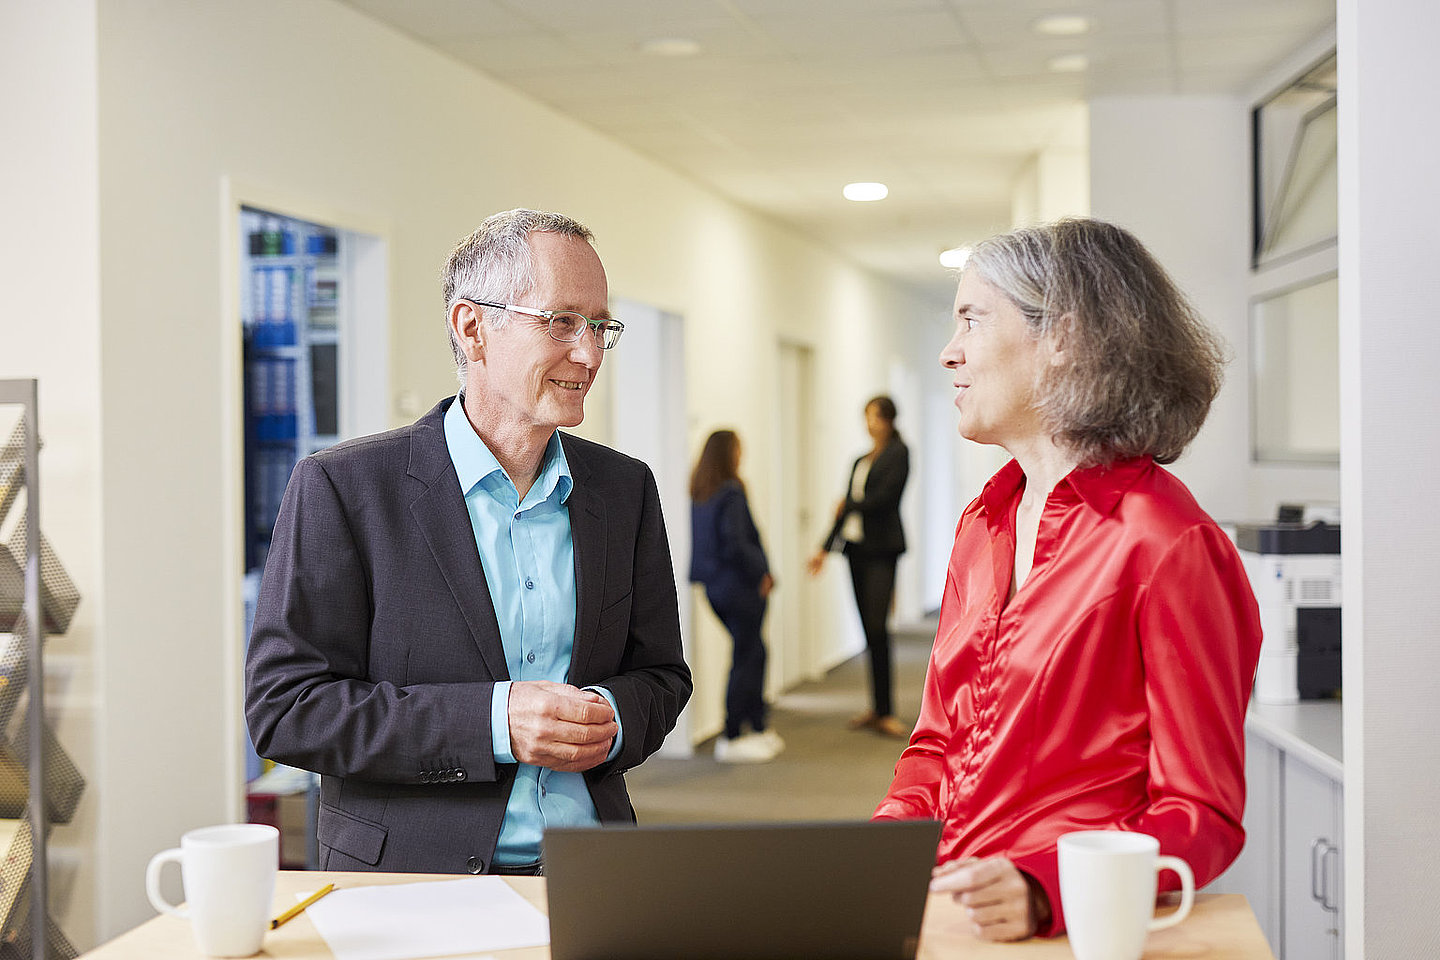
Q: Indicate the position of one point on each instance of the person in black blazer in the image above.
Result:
(727, 557)
(867, 528)
(394, 648)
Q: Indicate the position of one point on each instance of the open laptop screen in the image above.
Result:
(741, 891)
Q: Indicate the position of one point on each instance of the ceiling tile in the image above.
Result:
(944, 100)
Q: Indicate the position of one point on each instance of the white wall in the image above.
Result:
(1174, 170)
(50, 329)
(1390, 451)
(310, 100)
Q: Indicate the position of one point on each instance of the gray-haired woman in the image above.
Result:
(1098, 636)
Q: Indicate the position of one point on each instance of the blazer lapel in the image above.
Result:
(440, 513)
(587, 533)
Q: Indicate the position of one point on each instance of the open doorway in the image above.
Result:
(313, 370)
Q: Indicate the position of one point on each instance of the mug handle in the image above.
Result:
(1187, 891)
(152, 883)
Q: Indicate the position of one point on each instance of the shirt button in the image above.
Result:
(530, 657)
(542, 790)
(529, 584)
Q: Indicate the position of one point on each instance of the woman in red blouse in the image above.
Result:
(1098, 637)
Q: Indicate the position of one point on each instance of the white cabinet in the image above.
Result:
(1291, 867)
(1312, 858)
(1256, 872)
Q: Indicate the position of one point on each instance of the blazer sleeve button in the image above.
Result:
(475, 865)
(459, 774)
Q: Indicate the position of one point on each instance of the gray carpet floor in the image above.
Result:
(827, 772)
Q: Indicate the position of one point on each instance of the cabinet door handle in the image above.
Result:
(1330, 880)
(1317, 857)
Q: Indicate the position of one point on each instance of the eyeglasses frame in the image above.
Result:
(600, 327)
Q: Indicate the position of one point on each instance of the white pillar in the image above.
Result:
(1390, 457)
(1174, 170)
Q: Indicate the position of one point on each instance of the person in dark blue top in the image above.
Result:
(728, 558)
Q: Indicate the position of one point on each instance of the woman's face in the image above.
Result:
(877, 426)
(996, 364)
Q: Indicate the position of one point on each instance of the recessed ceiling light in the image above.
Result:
(954, 258)
(1062, 25)
(1069, 63)
(671, 47)
(863, 192)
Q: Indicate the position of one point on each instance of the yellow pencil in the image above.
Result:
(299, 908)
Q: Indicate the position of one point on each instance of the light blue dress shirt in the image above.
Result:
(529, 559)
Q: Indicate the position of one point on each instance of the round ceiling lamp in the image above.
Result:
(865, 192)
(671, 47)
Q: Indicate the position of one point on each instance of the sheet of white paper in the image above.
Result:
(433, 919)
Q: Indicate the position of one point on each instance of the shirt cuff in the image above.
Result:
(500, 722)
(1044, 869)
(620, 731)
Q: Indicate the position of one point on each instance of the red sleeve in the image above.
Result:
(1199, 634)
(914, 792)
(1200, 639)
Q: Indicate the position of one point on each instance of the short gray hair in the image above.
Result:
(1142, 365)
(494, 263)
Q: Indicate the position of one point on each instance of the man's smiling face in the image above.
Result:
(531, 381)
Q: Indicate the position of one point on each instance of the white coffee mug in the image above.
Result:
(1108, 882)
(229, 877)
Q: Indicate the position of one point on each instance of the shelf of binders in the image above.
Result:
(289, 309)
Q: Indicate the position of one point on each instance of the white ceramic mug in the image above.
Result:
(229, 876)
(1108, 882)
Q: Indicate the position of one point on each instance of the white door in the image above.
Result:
(647, 419)
(790, 624)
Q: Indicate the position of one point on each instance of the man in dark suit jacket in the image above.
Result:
(469, 626)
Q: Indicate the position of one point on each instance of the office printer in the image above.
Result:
(1294, 569)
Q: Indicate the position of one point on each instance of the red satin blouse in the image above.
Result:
(1109, 693)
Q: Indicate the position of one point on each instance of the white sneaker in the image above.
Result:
(750, 748)
(777, 745)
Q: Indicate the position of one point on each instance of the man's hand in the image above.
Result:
(559, 726)
(767, 583)
(995, 894)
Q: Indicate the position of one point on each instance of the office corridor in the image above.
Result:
(827, 772)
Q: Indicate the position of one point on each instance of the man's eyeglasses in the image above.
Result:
(564, 325)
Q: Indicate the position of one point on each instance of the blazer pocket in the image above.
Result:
(362, 839)
(389, 661)
(616, 612)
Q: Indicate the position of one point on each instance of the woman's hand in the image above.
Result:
(767, 583)
(1001, 902)
(816, 563)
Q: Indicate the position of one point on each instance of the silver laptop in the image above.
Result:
(743, 891)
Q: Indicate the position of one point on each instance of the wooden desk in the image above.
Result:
(1220, 928)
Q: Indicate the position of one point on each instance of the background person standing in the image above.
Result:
(867, 528)
(728, 558)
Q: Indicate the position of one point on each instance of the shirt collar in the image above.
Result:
(1100, 487)
(474, 462)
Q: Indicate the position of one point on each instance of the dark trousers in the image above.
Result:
(745, 692)
(874, 578)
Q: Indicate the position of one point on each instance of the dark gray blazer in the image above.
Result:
(375, 647)
(879, 508)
